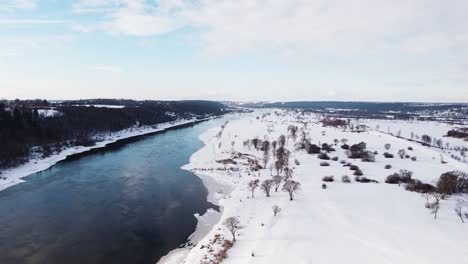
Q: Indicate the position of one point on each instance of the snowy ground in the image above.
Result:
(17, 175)
(346, 223)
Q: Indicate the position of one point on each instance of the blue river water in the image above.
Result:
(130, 203)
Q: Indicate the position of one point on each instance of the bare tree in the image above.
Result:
(252, 186)
(266, 152)
(401, 153)
(427, 197)
(273, 146)
(435, 206)
(293, 131)
(440, 143)
(266, 186)
(281, 141)
(288, 173)
(232, 224)
(426, 139)
(280, 158)
(459, 209)
(277, 180)
(276, 210)
(291, 187)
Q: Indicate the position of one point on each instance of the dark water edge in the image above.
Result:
(127, 202)
(128, 140)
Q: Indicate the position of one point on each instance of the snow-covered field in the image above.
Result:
(345, 223)
(17, 175)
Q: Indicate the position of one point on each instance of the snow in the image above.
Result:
(103, 106)
(346, 223)
(11, 177)
(48, 112)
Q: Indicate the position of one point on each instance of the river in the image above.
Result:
(130, 203)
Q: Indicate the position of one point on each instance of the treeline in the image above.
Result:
(367, 106)
(24, 128)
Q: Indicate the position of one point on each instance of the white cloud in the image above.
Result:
(232, 27)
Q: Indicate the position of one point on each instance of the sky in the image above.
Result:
(240, 50)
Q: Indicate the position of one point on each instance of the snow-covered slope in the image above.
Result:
(345, 223)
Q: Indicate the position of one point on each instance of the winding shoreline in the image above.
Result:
(217, 191)
(17, 175)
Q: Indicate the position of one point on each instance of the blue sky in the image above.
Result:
(276, 50)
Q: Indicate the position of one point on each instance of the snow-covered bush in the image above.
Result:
(328, 179)
(453, 182)
(324, 164)
(276, 210)
(345, 179)
(401, 153)
(358, 173)
(403, 176)
(323, 156)
(364, 180)
(388, 155)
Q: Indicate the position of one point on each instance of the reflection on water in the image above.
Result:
(132, 204)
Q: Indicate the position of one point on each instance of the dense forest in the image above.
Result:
(42, 127)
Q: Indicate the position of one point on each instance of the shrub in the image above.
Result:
(312, 148)
(401, 153)
(413, 158)
(407, 156)
(403, 176)
(453, 182)
(324, 186)
(393, 179)
(364, 180)
(418, 186)
(327, 148)
(358, 151)
(323, 156)
(353, 167)
(388, 166)
(358, 173)
(345, 146)
(345, 179)
(348, 164)
(343, 161)
(368, 156)
(328, 179)
(388, 155)
(410, 148)
(324, 164)
(335, 158)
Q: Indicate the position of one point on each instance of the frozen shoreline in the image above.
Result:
(217, 190)
(14, 176)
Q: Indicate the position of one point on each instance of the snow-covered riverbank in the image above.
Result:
(347, 222)
(18, 174)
